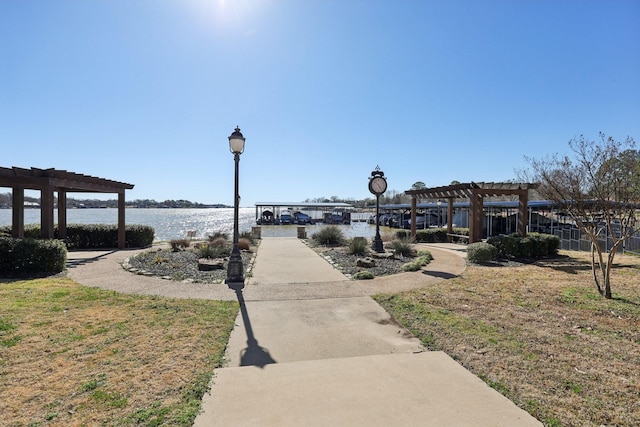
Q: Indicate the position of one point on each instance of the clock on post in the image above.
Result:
(377, 186)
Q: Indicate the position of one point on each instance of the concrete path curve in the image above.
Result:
(285, 269)
(311, 348)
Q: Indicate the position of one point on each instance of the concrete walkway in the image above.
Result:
(311, 348)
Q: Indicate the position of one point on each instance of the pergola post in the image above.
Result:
(523, 201)
(475, 217)
(46, 212)
(62, 214)
(17, 222)
(121, 221)
(414, 213)
(449, 219)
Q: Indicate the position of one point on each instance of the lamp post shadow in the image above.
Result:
(253, 354)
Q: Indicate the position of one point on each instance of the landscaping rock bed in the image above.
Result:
(181, 266)
(348, 263)
(185, 266)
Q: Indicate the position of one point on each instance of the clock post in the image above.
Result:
(377, 186)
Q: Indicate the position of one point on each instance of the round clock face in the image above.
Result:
(378, 185)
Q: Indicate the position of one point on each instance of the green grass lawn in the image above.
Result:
(540, 334)
(74, 355)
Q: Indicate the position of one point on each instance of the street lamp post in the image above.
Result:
(235, 270)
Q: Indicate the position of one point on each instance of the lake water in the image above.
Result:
(174, 223)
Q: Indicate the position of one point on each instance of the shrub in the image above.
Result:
(423, 258)
(411, 266)
(28, 256)
(481, 252)
(403, 235)
(553, 243)
(244, 244)
(424, 236)
(500, 243)
(248, 236)
(425, 254)
(358, 246)
(461, 231)
(363, 275)
(387, 237)
(534, 245)
(90, 236)
(219, 241)
(213, 251)
(329, 236)
(439, 235)
(137, 236)
(219, 235)
(179, 244)
(403, 248)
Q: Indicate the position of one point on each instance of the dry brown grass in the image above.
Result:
(541, 335)
(72, 355)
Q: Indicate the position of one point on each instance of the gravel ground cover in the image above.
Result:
(181, 266)
(348, 263)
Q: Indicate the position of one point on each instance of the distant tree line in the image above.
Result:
(390, 197)
(6, 200)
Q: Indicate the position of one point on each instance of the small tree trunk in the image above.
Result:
(594, 265)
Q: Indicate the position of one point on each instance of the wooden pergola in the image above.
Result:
(475, 192)
(49, 181)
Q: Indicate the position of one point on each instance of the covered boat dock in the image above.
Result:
(269, 212)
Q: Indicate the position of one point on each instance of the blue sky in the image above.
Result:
(147, 91)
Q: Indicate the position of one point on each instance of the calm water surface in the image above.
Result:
(174, 223)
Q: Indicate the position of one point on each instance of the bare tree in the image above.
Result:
(599, 188)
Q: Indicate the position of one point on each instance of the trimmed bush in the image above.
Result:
(93, 236)
(439, 235)
(534, 245)
(329, 235)
(29, 256)
(462, 232)
(358, 246)
(31, 231)
(425, 236)
(137, 236)
(481, 252)
(500, 243)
